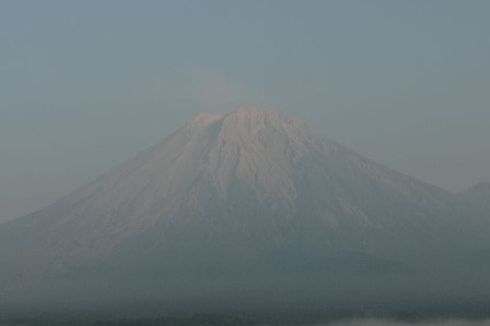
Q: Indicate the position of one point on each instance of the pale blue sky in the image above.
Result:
(86, 84)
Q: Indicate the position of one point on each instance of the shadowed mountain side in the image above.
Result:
(479, 197)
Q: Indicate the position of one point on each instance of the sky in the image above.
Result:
(85, 85)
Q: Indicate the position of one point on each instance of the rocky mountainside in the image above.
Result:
(249, 188)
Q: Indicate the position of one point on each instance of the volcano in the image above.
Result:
(243, 197)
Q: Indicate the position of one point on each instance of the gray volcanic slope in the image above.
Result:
(479, 197)
(251, 187)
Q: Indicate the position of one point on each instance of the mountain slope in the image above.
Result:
(478, 196)
(238, 190)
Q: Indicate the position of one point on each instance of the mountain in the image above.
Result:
(478, 196)
(234, 196)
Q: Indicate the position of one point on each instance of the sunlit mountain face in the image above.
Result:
(251, 211)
